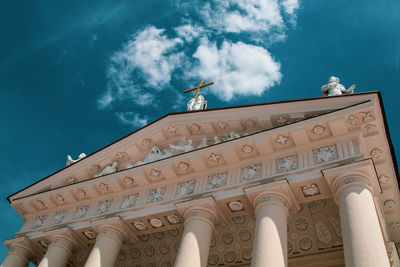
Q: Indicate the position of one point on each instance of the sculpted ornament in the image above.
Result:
(251, 172)
(104, 206)
(214, 157)
(197, 104)
(185, 188)
(366, 116)
(281, 139)
(104, 187)
(80, 212)
(335, 225)
(286, 164)
(60, 198)
(305, 243)
(352, 120)
(183, 146)
(318, 130)
(129, 201)
(203, 143)
(108, 169)
(156, 194)
(70, 160)
(171, 129)
(39, 221)
(128, 180)
(140, 225)
(310, 190)
(250, 124)
(217, 180)
(156, 223)
(232, 135)
(173, 219)
(325, 154)
(389, 203)
(376, 153)
(235, 206)
(247, 149)
(59, 217)
(323, 233)
(71, 180)
(383, 179)
(335, 88)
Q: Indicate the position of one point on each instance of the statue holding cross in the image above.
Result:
(197, 102)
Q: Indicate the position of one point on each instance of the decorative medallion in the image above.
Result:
(305, 243)
(244, 235)
(171, 129)
(60, 198)
(183, 166)
(156, 223)
(230, 256)
(281, 120)
(95, 168)
(144, 238)
(39, 221)
(104, 207)
(310, 190)
(286, 164)
(250, 124)
(129, 201)
(227, 238)
(247, 149)
(376, 153)
(214, 157)
(281, 139)
(104, 187)
(71, 180)
(213, 242)
(366, 116)
(239, 219)
(173, 232)
(389, 203)
(247, 253)
(163, 248)
(173, 219)
(156, 194)
(81, 193)
(395, 225)
(44, 243)
(80, 212)
(135, 253)
(59, 217)
(323, 233)
(217, 180)
(251, 172)
(316, 206)
(149, 251)
(325, 154)
(40, 204)
(146, 142)
(90, 234)
(221, 125)
(335, 225)
(369, 127)
(383, 179)
(156, 174)
(213, 259)
(235, 205)
(195, 127)
(352, 120)
(128, 180)
(301, 224)
(185, 188)
(121, 155)
(122, 255)
(139, 225)
(318, 130)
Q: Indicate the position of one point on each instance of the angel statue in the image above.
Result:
(335, 88)
(70, 160)
(197, 104)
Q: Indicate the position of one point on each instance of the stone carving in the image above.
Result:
(323, 233)
(305, 243)
(318, 130)
(149, 251)
(217, 140)
(369, 127)
(40, 204)
(122, 255)
(146, 142)
(227, 238)
(158, 235)
(281, 120)
(199, 103)
(195, 127)
(163, 248)
(221, 125)
(301, 224)
(129, 201)
(352, 120)
(232, 135)
(70, 160)
(213, 242)
(230, 256)
(247, 149)
(183, 146)
(104, 207)
(60, 198)
(316, 206)
(80, 212)
(144, 237)
(39, 221)
(310, 190)
(335, 88)
(244, 235)
(335, 225)
(156, 223)
(250, 124)
(383, 179)
(183, 166)
(140, 225)
(71, 180)
(173, 219)
(251, 172)
(128, 180)
(286, 164)
(121, 155)
(156, 194)
(135, 253)
(59, 217)
(247, 253)
(213, 259)
(214, 157)
(104, 187)
(235, 205)
(376, 153)
(153, 155)
(81, 193)
(173, 232)
(395, 225)
(217, 180)
(90, 234)
(389, 203)
(156, 174)
(325, 154)
(281, 139)
(185, 188)
(367, 116)
(239, 219)
(203, 143)
(171, 129)
(108, 169)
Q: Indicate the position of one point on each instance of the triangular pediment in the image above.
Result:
(185, 132)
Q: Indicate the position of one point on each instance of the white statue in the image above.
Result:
(197, 104)
(233, 135)
(335, 88)
(154, 154)
(108, 169)
(70, 160)
(203, 143)
(216, 140)
(183, 145)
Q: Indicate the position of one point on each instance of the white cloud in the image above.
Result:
(133, 119)
(189, 32)
(236, 68)
(290, 6)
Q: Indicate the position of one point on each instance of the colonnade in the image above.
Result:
(363, 241)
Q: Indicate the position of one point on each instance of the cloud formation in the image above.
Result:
(133, 119)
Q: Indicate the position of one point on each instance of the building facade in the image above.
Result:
(309, 182)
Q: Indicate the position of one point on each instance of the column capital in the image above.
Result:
(65, 238)
(203, 208)
(21, 247)
(275, 193)
(113, 227)
(360, 174)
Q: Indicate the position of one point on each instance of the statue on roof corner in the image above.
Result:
(198, 102)
(335, 88)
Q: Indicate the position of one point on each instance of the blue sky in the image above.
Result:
(75, 76)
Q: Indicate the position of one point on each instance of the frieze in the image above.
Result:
(129, 201)
(325, 154)
(217, 180)
(251, 172)
(287, 164)
(104, 207)
(59, 217)
(80, 212)
(156, 194)
(185, 188)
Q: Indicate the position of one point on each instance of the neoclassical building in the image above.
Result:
(308, 182)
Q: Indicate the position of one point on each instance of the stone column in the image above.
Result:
(19, 256)
(107, 246)
(58, 253)
(196, 238)
(271, 203)
(362, 235)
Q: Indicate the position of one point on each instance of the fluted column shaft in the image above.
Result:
(58, 253)
(107, 246)
(270, 238)
(363, 241)
(196, 238)
(18, 257)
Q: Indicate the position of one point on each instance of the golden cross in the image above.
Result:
(198, 87)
